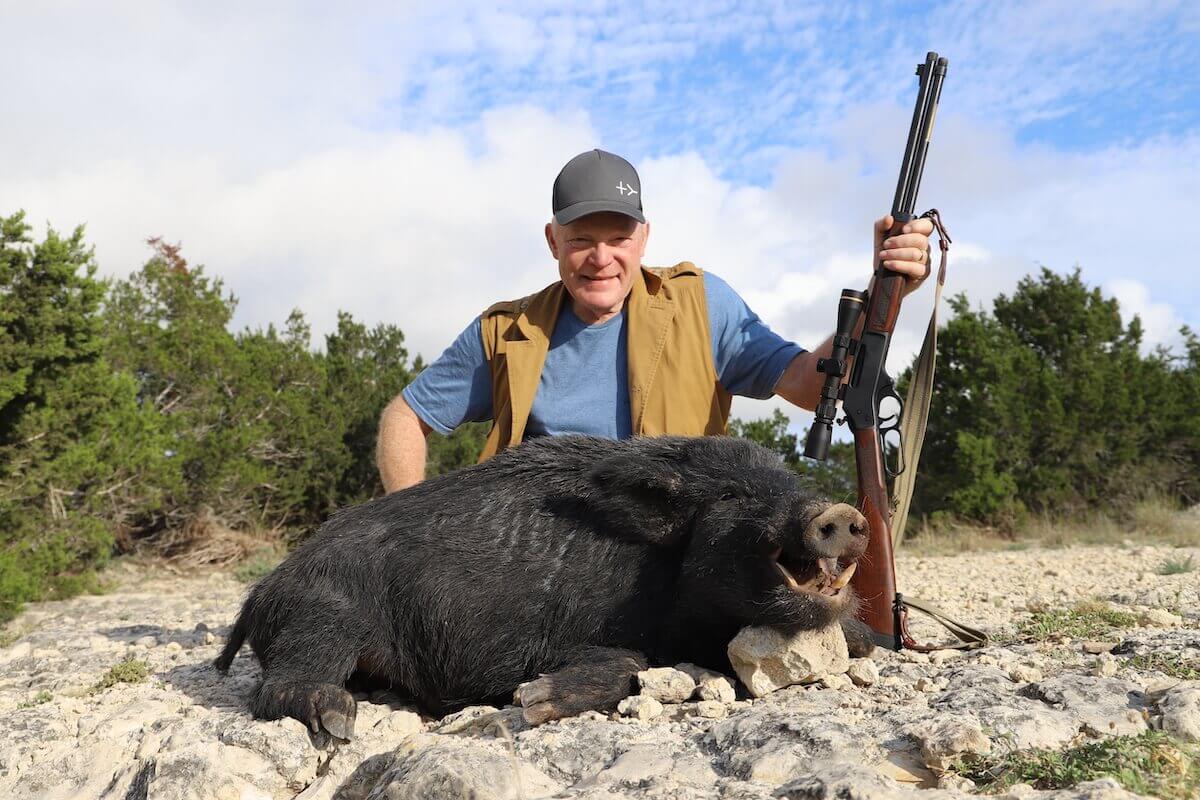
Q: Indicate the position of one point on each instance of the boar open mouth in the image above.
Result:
(823, 576)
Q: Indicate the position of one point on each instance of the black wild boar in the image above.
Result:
(582, 560)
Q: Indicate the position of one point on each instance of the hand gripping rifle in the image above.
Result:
(882, 608)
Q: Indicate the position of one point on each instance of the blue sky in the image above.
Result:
(741, 82)
(395, 159)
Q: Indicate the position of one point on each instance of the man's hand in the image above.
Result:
(906, 253)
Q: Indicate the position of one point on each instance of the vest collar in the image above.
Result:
(538, 314)
(648, 311)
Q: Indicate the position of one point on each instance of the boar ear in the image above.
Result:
(634, 498)
(654, 480)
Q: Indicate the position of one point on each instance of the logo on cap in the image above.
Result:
(622, 188)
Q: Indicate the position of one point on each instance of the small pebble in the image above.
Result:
(1023, 673)
(640, 706)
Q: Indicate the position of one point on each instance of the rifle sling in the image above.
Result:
(912, 438)
(968, 638)
(917, 398)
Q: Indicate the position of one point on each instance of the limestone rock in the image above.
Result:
(666, 684)
(1180, 709)
(840, 781)
(1105, 665)
(640, 706)
(863, 672)
(1159, 618)
(835, 681)
(711, 709)
(767, 660)
(469, 717)
(710, 685)
(470, 769)
(945, 738)
(1103, 706)
(1023, 673)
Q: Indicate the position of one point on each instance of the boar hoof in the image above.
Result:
(859, 642)
(537, 699)
(323, 707)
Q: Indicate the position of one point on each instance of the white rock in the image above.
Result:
(640, 706)
(718, 689)
(467, 719)
(942, 656)
(711, 709)
(463, 769)
(956, 783)
(767, 660)
(666, 684)
(1159, 618)
(399, 724)
(834, 681)
(1181, 711)
(18, 650)
(1105, 665)
(1023, 673)
(945, 738)
(863, 672)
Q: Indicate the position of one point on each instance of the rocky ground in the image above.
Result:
(71, 727)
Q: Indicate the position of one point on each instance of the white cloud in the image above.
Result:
(1160, 323)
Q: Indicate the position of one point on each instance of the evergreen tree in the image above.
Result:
(80, 460)
(1046, 405)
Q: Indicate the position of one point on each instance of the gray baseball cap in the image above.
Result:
(597, 181)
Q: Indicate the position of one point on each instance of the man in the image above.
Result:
(612, 348)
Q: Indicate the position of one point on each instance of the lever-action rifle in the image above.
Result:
(869, 385)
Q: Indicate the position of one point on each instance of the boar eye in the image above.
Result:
(728, 495)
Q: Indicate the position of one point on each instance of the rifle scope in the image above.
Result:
(850, 308)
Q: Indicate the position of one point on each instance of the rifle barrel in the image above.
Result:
(936, 76)
(925, 71)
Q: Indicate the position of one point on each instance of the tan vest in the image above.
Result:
(673, 384)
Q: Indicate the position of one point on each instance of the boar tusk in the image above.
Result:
(845, 577)
(787, 577)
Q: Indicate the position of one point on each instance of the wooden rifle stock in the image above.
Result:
(875, 579)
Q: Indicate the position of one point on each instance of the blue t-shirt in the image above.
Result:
(584, 386)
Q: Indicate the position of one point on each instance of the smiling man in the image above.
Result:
(612, 348)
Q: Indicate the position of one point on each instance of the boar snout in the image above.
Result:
(840, 531)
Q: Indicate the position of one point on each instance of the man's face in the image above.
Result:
(598, 257)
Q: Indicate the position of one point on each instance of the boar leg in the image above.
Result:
(858, 637)
(590, 678)
(305, 675)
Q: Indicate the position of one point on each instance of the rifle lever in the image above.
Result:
(888, 425)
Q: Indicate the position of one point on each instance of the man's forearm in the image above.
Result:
(400, 450)
(800, 383)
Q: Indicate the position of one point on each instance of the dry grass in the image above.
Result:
(1151, 520)
(205, 540)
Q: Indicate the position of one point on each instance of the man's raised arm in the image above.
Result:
(400, 450)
